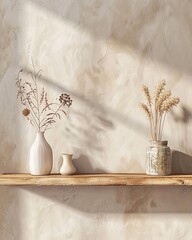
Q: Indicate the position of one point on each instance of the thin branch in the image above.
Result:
(39, 111)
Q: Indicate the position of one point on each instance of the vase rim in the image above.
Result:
(159, 142)
(70, 154)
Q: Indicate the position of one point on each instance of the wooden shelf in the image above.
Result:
(95, 180)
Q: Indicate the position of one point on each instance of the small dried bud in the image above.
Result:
(65, 99)
(26, 112)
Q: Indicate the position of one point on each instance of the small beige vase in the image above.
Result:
(159, 160)
(67, 168)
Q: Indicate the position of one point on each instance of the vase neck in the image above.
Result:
(40, 135)
(67, 157)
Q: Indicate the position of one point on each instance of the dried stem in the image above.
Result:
(149, 116)
(156, 110)
(39, 111)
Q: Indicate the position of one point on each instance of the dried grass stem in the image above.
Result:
(156, 110)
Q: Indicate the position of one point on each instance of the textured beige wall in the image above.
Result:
(100, 52)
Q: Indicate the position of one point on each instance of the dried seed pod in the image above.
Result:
(26, 112)
(65, 99)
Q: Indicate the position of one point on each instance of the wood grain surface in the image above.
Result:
(95, 180)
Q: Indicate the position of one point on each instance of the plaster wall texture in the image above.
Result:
(100, 52)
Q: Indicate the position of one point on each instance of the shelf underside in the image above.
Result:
(95, 180)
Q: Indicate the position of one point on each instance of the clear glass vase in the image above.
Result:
(158, 160)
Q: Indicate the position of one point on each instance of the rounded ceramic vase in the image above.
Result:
(67, 167)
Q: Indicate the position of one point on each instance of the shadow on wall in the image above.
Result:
(6, 156)
(159, 30)
(84, 165)
(10, 214)
(181, 162)
(118, 200)
(185, 117)
(103, 113)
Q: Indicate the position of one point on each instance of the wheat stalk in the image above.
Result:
(158, 95)
(148, 97)
(156, 110)
(146, 110)
(147, 94)
(160, 88)
(169, 104)
(162, 98)
(148, 113)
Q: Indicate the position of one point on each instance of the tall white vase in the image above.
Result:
(41, 156)
(67, 167)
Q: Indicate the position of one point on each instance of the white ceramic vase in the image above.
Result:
(41, 156)
(67, 167)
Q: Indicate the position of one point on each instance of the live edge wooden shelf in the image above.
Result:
(95, 180)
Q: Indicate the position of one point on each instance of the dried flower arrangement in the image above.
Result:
(156, 108)
(38, 110)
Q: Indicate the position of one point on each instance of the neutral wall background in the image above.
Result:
(100, 52)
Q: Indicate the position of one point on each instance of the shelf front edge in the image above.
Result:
(95, 180)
